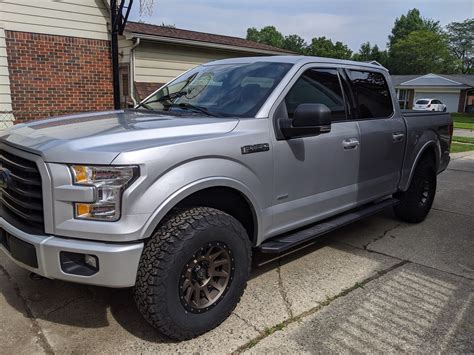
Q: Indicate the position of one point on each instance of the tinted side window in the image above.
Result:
(372, 95)
(317, 86)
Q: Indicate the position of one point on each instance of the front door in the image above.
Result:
(315, 177)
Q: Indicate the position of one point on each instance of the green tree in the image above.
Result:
(422, 52)
(267, 35)
(410, 22)
(368, 53)
(461, 43)
(295, 44)
(324, 47)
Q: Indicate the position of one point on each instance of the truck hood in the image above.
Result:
(98, 138)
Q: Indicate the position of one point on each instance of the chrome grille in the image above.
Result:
(21, 196)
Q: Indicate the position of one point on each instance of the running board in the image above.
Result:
(286, 241)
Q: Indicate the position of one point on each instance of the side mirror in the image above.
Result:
(308, 120)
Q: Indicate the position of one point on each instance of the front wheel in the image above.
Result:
(193, 272)
(416, 202)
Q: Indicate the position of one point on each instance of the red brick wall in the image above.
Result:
(54, 75)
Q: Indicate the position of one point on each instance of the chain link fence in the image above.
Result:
(6, 119)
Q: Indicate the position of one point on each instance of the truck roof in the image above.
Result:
(295, 59)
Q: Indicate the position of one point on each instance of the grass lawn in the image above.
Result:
(469, 140)
(463, 120)
(459, 147)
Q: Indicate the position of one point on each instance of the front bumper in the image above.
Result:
(118, 263)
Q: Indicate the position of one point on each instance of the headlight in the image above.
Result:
(109, 183)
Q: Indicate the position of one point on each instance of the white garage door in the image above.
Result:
(451, 100)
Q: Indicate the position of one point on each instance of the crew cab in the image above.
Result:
(171, 197)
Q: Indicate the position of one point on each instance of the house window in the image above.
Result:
(402, 95)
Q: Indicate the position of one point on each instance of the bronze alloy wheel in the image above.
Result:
(425, 192)
(206, 277)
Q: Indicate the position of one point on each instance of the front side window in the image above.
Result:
(373, 99)
(221, 90)
(317, 86)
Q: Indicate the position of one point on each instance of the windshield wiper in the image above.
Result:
(169, 97)
(188, 106)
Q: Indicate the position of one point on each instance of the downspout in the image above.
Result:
(132, 71)
(114, 18)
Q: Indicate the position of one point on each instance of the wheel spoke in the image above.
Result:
(217, 286)
(216, 254)
(196, 295)
(221, 262)
(221, 273)
(188, 294)
(186, 284)
(206, 293)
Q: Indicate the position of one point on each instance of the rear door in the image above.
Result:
(382, 134)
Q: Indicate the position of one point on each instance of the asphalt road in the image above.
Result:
(375, 286)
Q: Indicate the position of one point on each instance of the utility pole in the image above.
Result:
(117, 22)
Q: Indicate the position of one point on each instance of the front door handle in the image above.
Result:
(350, 143)
(398, 137)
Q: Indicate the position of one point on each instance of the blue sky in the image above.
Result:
(352, 22)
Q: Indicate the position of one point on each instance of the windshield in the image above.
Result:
(225, 90)
(422, 102)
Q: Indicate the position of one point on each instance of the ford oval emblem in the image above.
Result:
(4, 178)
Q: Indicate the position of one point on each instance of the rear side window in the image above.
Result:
(373, 99)
(317, 86)
(422, 102)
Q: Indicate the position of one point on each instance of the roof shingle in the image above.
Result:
(177, 33)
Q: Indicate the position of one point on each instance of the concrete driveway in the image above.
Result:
(378, 285)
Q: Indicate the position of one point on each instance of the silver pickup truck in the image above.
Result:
(170, 197)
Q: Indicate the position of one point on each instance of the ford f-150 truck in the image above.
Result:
(171, 196)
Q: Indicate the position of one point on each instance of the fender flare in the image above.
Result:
(428, 145)
(179, 195)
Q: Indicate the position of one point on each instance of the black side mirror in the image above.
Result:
(308, 120)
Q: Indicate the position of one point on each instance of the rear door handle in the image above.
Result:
(350, 143)
(398, 137)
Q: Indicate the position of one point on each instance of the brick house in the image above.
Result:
(55, 57)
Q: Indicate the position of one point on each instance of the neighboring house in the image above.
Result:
(153, 55)
(55, 57)
(456, 91)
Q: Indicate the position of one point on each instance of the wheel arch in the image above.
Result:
(430, 149)
(225, 194)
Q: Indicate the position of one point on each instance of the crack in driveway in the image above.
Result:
(384, 234)
(43, 341)
(283, 293)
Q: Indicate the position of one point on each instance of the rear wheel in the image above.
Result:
(193, 272)
(416, 202)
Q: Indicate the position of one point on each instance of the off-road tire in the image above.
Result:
(414, 206)
(164, 256)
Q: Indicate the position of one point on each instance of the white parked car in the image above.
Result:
(429, 105)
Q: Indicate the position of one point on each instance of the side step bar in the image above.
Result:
(286, 241)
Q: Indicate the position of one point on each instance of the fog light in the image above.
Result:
(91, 260)
(78, 264)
